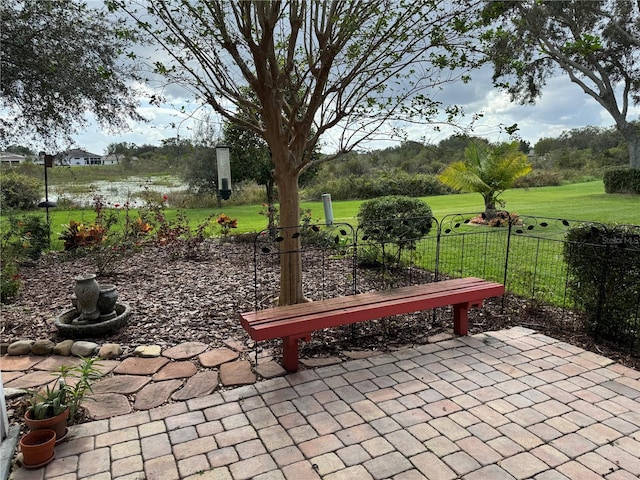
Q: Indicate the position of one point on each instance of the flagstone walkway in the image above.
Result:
(498, 405)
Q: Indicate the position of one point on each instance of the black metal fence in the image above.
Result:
(525, 253)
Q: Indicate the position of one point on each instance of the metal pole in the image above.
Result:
(46, 190)
(48, 163)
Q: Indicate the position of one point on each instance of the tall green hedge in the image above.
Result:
(396, 182)
(603, 262)
(622, 180)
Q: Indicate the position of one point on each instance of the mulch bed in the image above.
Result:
(177, 299)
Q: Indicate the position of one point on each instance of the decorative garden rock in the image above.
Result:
(109, 351)
(83, 349)
(147, 351)
(42, 347)
(63, 348)
(20, 347)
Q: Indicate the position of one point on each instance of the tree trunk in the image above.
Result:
(291, 291)
(271, 200)
(633, 142)
(631, 134)
(489, 206)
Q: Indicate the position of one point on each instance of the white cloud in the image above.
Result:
(563, 106)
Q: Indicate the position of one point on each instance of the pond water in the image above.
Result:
(116, 192)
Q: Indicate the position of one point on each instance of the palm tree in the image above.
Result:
(488, 172)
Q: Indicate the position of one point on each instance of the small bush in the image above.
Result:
(106, 242)
(311, 233)
(622, 180)
(9, 279)
(604, 267)
(393, 221)
(19, 192)
(176, 235)
(34, 231)
(22, 237)
(76, 234)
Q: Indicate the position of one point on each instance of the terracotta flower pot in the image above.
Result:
(58, 424)
(37, 448)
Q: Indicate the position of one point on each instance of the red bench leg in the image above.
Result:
(290, 351)
(461, 317)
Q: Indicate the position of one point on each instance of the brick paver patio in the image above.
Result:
(511, 404)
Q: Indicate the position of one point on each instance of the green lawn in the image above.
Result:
(580, 201)
(535, 269)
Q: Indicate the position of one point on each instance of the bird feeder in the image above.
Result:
(224, 172)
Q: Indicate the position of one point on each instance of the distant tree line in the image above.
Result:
(410, 167)
(578, 154)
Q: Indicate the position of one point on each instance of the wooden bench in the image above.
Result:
(295, 322)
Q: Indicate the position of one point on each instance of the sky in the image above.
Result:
(563, 106)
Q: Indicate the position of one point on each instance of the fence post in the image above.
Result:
(438, 237)
(506, 257)
(602, 291)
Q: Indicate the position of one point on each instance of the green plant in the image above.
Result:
(391, 225)
(603, 262)
(377, 183)
(34, 231)
(177, 234)
(77, 381)
(539, 178)
(226, 224)
(271, 211)
(74, 383)
(49, 402)
(108, 239)
(488, 172)
(76, 234)
(21, 237)
(310, 232)
(622, 180)
(19, 191)
(9, 280)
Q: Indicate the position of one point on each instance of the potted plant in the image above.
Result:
(78, 381)
(49, 410)
(54, 408)
(37, 448)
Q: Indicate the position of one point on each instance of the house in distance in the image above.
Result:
(77, 157)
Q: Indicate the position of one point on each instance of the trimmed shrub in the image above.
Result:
(603, 263)
(622, 180)
(395, 221)
(19, 192)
